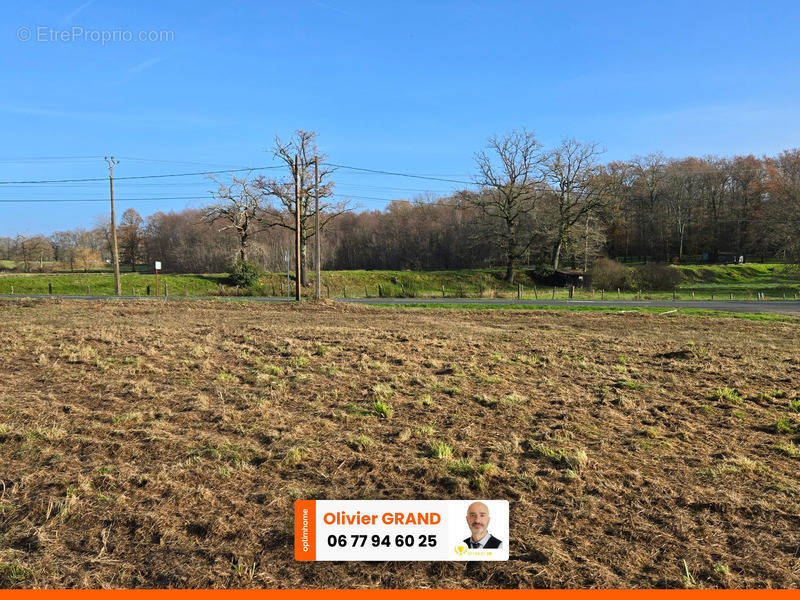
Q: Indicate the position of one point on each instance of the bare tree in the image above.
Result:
(283, 210)
(509, 179)
(30, 248)
(579, 186)
(783, 202)
(130, 236)
(240, 207)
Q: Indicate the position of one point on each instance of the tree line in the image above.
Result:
(550, 208)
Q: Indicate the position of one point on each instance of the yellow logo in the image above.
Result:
(461, 550)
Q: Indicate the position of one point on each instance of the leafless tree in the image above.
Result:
(509, 179)
(31, 248)
(784, 205)
(579, 186)
(130, 236)
(240, 207)
(282, 211)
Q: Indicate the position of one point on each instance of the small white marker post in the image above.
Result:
(158, 268)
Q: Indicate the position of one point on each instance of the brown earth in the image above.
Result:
(163, 444)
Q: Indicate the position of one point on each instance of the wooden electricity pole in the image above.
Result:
(317, 293)
(114, 252)
(297, 227)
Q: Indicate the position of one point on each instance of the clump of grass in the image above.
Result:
(722, 568)
(383, 409)
(320, 350)
(126, 418)
(560, 457)
(439, 449)
(381, 390)
(298, 361)
(794, 405)
(426, 400)
(424, 430)
(775, 393)
(294, 455)
(462, 468)
(622, 359)
(513, 398)
(486, 468)
(357, 411)
(230, 453)
(273, 370)
(360, 443)
(789, 449)
(628, 385)
(687, 579)
(223, 376)
(728, 394)
(12, 573)
(329, 370)
(784, 425)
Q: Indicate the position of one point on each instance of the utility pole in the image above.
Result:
(297, 227)
(288, 257)
(318, 293)
(114, 252)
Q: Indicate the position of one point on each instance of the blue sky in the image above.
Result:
(403, 86)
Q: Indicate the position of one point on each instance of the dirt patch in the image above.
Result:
(163, 444)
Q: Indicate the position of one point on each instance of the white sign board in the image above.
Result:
(401, 530)
(158, 265)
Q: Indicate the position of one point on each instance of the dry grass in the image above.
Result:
(162, 445)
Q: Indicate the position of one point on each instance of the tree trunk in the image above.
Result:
(510, 270)
(303, 261)
(243, 247)
(557, 254)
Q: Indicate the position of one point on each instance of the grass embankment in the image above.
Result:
(722, 282)
(166, 448)
(773, 280)
(695, 312)
(352, 284)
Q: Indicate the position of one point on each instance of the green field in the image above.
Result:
(722, 282)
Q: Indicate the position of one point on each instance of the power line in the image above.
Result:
(412, 175)
(129, 177)
(44, 158)
(43, 200)
(176, 162)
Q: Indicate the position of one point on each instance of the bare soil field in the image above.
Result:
(163, 444)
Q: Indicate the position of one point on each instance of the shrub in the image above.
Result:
(657, 276)
(243, 274)
(608, 274)
(541, 271)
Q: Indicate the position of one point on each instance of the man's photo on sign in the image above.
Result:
(478, 522)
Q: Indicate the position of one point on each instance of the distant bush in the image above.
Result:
(658, 276)
(243, 274)
(608, 274)
(541, 271)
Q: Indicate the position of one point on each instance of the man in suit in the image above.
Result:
(478, 521)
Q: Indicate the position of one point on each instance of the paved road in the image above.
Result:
(786, 307)
(769, 306)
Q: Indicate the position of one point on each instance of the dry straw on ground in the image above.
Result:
(162, 444)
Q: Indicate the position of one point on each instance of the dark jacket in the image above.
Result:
(490, 545)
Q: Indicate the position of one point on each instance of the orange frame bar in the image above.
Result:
(305, 534)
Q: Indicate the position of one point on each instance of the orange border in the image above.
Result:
(427, 594)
